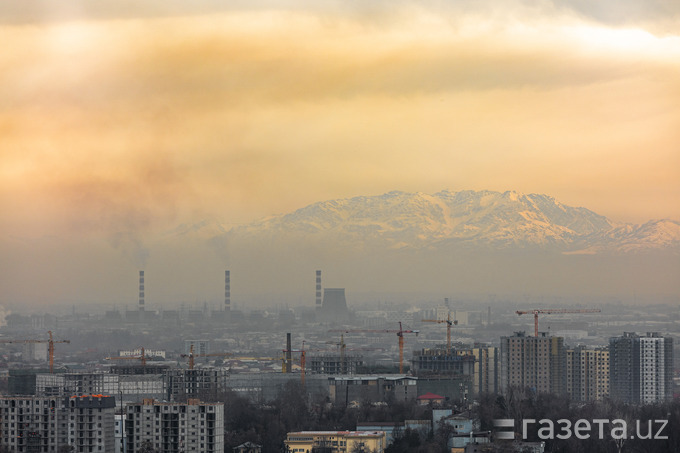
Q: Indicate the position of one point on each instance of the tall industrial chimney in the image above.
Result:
(227, 292)
(289, 354)
(318, 290)
(141, 291)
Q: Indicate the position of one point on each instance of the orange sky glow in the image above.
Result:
(144, 120)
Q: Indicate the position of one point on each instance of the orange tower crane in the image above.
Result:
(50, 346)
(548, 311)
(400, 335)
(449, 323)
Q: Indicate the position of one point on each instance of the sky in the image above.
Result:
(120, 120)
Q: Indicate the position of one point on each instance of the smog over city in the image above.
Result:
(205, 180)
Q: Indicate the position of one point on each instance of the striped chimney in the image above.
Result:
(227, 291)
(318, 289)
(141, 290)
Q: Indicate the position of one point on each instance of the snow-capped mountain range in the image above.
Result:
(470, 219)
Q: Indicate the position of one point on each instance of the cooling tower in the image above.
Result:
(334, 306)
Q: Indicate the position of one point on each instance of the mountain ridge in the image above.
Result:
(446, 219)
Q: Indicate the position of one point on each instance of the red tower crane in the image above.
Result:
(449, 324)
(400, 335)
(548, 311)
(50, 346)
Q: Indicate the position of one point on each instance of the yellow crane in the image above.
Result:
(449, 324)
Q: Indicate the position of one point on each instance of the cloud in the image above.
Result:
(260, 111)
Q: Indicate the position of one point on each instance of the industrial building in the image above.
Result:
(347, 389)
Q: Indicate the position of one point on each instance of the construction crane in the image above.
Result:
(142, 356)
(549, 311)
(400, 335)
(303, 360)
(50, 346)
(192, 356)
(449, 323)
(343, 348)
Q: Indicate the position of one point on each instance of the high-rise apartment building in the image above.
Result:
(587, 373)
(641, 368)
(35, 424)
(486, 372)
(538, 363)
(173, 428)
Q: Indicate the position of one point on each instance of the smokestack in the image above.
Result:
(227, 292)
(141, 291)
(289, 354)
(488, 316)
(318, 290)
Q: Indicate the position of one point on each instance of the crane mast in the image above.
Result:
(449, 324)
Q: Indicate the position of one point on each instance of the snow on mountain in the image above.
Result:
(398, 220)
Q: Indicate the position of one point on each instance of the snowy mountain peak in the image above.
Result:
(468, 218)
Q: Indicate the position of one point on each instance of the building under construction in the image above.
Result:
(334, 363)
(439, 361)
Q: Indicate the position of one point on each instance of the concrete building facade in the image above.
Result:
(46, 424)
(486, 371)
(174, 427)
(641, 368)
(537, 363)
(587, 373)
(441, 362)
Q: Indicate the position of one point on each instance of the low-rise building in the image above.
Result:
(336, 441)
